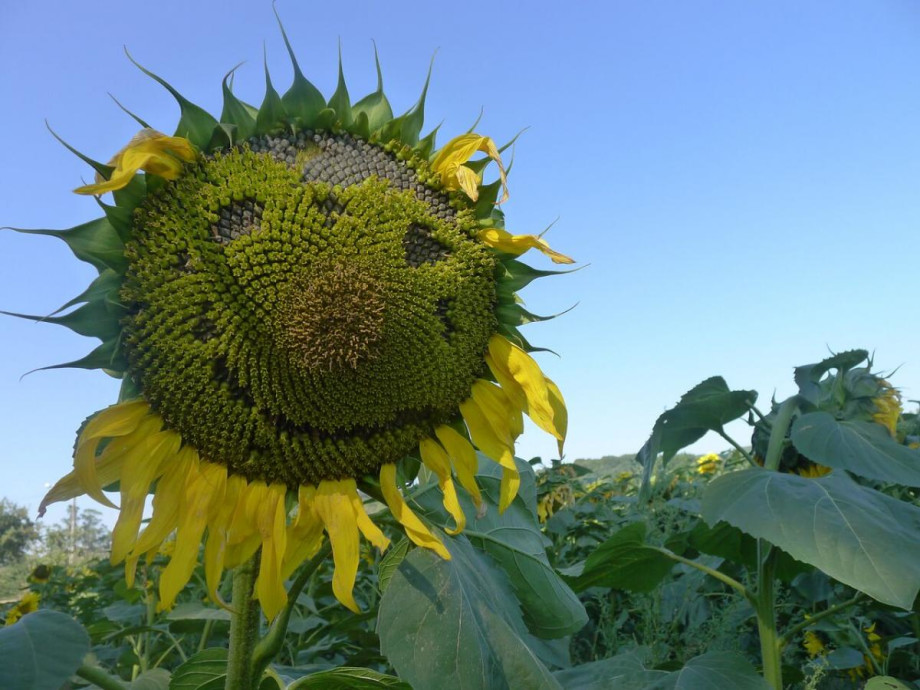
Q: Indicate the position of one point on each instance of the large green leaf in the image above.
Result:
(345, 678)
(513, 539)
(706, 407)
(713, 670)
(625, 562)
(863, 448)
(856, 535)
(731, 543)
(206, 670)
(154, 679)
(41, 651)
(625, 671)
(807, 376)
(456, 621)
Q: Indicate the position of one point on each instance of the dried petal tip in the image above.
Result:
(150, 151)
(449, 164)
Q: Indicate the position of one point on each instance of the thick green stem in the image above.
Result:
(244, 626)
(722, 577)
(99, 678)
(269, 646)
(778, 434)
(770, 649)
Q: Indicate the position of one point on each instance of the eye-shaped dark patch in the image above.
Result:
(421, 247)
(238, 219)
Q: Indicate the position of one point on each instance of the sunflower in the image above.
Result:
(26, 605)
(297, 297)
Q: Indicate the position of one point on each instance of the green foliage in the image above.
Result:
(25, 646)
(17, 532)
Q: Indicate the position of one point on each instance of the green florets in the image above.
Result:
(306, 307)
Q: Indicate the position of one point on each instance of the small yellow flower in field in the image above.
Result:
(150, 151)
(26, 605)
(708, 464)
(813, 644)
(40, 573)
(449, 164)
(888, 407)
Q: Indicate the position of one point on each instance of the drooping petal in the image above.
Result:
(148, 150)
(463, 457)
(488, 442)
(334, 509)
(305, 534)
(504, 241)
(501, 413)
(435, 458)
(520, 375)
(270, 520)
(560, 413)
(415, 528)
(448, 163)
(218, 534)
(370, 531)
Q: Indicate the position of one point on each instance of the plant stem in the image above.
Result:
(799, 627)
(722, 577)
(269, 646)
(734, 444)
(205, 634)
(100, 678)
(244, 626)
(770, 649)
(778, 434)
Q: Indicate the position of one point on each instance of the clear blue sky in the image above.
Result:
(742, 178)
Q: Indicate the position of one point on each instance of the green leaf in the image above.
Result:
(303, 101)
(346, 678)
(154, 679)
(340, 102)
(375, 106)
(856, 535)
(390, 561)
(624, 672)
(713, 670)
(271, 117)
(731, 543)
(120, 217)
(625, 562)
(41, 651)
(456, 620)
(863, 448)
(235, 113)
(886, 683)
(514, 540)
(708, 406)
(808, 375)
(95, 242)
(206, 670)
(195, 124)
(192, 611)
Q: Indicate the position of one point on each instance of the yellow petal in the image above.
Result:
(450, 159)
(305, 534)
(271, 522)
(150, 151)
(499, 410)
(415, 528)
(519, 374)
(463, 457)
(560, 413)
(206, 486)
(488, 442)
(145, 463)
(218, 528)
(436, 459)
(504, 241)
(370, 531)
(117, 420)
(334, 509)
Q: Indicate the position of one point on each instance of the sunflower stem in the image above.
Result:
(778, 434)
(244, 626)
(770, 648)
(269, 646)
(99, 678)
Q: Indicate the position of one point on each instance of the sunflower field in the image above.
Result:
(313, 308)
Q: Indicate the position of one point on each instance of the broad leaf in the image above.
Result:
(514, 540)
(863, 448)
(731, 543)
(713, 670)
(345, 678)
(856, 535)
(154, 679)
(807, 376)
(41, 651)
(456, 620)
(624, 672)
(625, 562)
(193, 611)
(886, 683)
(206, 670)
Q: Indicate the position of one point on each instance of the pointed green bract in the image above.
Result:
(104, 357)
(94, 319)
(426, 145)
(375, 106)
(195, 123)
(413, 120)
(235, 113)
(340, 102)
(134, 117)
(271, 117)
(105, 286)
(303, 101)
(119, 217)
(101, 168)
(95, 242)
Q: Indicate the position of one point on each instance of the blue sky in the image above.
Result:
(742, 179)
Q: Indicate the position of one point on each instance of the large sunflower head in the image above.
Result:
(297, 297)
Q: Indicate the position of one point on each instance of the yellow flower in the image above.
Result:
(887, 406)
(707, 464)
(813, 644)
(26, 605)
(812, 470)
(150, 151)
(296, 309)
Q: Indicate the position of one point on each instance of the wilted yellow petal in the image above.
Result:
(305, 534)
(488, 442)
(415, 528)
(454, 175)
(499, 410)
(334, 509)
(271, 523)
(436, 459)
(519, 374)
(370, 531)
(150, 151)
(463, 457)
(560, 413)
(219, 522)
(504, 241)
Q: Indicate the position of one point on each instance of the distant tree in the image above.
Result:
(17, 532)
(77, 538)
